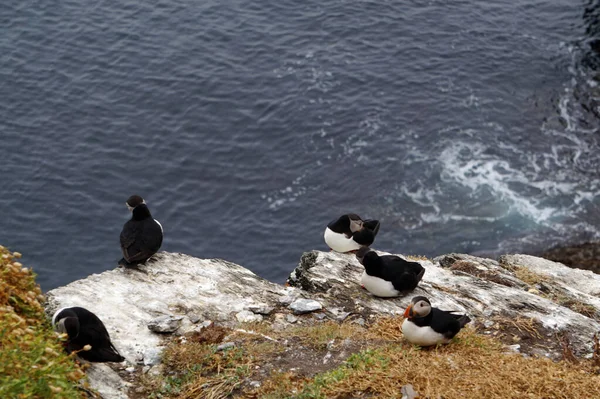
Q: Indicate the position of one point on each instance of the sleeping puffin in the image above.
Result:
(85, 328)
(141, 236)
(350, 233)
(426, 326)
(388, 275)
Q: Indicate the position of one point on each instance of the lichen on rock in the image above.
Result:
(203, 292)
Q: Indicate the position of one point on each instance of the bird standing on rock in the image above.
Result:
(85, 328)
(350, 233)
(388, 275)
(141, 236)
(426, 326)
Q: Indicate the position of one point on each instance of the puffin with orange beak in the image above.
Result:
(425, 325)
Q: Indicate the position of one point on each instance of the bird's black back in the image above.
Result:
(341, 225)
(404, 275)
(141, 236)
(91, 332)
(442, 321)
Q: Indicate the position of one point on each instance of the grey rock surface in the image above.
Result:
(302, 306)
(165, 324)
(192, 289)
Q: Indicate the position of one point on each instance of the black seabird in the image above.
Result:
(350, 233)
(388, 275)
(425, 325)
(85, 328)
(142, 235)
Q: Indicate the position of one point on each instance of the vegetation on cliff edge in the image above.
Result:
(32, 361)
(348, 360)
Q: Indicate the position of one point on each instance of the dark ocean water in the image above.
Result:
(464, 126)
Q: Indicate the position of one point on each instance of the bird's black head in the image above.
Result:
(372, 225)
(134, 201)
(360, 254)
(69, 326)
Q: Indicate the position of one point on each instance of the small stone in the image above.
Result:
(291, 318)
(194, 318)
(156, 370)
(360, 322)
(255, 384)
(514, 348)
(488, 323)
(343, 316)
(130, 369)
(165, 324)
(533, 291)
(302, 306)
(225, 345)
(327, 357)
(139, 358)
(319, 316)
(205, 324)
(246, 316)
(261, 309)
(408, 392)
(286, 300)
(145, 369)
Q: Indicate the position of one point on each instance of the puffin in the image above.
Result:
(426, 326)
(85, 328)
(141, 236)
(388, 275)
(350, 233)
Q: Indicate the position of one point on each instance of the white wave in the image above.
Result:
(470, 166)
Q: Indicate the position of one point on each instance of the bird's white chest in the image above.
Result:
(378, 286)
(422, 336)
(338, 242)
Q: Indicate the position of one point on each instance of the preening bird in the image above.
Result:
(425, 325)
(142, 235)
(85, 328)
(350, 233)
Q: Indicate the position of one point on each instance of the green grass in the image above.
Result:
(32, 361)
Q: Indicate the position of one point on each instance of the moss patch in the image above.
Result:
(32, 361)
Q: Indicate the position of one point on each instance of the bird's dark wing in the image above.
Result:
(341, 225)
(140, 240)
(93, 332)
(447, 323)
(372, 225)
(403, 274)
(130, 231)
(363, 237)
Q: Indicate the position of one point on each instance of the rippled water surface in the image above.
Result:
(464, 126)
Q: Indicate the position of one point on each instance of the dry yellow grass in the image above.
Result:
(529, 277)
(472, 366)
(33, 363)
(417, 257)
(319, 335)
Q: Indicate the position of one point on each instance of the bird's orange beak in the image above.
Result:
(408, 312)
